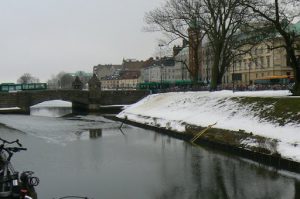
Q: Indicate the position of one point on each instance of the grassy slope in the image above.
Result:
(280, 111)
(277, 110)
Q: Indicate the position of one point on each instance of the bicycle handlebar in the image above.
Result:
(10, 150)
(12, 142)
(16, 149)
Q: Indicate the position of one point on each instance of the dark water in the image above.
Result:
(90, 156)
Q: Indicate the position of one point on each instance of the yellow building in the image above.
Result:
(263, 60)
(125, 80)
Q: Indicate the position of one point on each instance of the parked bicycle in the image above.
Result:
(13, 186)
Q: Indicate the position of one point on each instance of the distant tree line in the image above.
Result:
(64, 80)
(27, 78)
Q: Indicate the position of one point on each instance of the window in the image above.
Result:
(287, 61)
(245, 63)
(268, 61)
(262, 63)
(250, 63)
(256, 63)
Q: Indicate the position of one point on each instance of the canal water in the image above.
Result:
(88, 155)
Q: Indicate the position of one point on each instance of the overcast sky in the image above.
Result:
(45, 37)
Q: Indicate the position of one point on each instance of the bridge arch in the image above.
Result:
(74, 96)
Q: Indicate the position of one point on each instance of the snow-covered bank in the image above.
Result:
(175, 110)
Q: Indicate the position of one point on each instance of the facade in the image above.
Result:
(152, 73)
(125, 80)
(181, 62)
(264, 60)
(124, 76)
(106, 70)
(129, 79)
(160, 71)
(207, 63)
(132, 64)
(109, 83)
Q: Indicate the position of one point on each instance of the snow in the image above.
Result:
(10, 108)
(175, 110)
(54, 103)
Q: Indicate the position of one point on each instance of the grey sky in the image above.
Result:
(44, 37)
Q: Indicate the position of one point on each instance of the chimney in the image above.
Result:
(176, 50)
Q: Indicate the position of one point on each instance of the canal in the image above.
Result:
(88, 155)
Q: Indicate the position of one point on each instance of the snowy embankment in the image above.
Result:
(175, 110)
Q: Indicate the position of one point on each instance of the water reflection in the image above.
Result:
(50, 111)
(90, 134)
(95, 133)
(217, 175)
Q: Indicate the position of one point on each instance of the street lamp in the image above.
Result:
(233, 75)
(161, 66)
(249, 73)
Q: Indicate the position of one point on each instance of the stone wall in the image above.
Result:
(118, 97)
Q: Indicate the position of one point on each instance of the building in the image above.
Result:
(161, 70)
(109, 83)
(181, 63)
(263, 60)
(132, 65)
(106, 70)
(128, 79)
(125, 80)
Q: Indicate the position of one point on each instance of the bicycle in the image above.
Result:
(11, 185)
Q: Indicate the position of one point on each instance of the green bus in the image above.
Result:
(12, 87)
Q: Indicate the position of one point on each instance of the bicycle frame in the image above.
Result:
(11, 186)
(9, 179)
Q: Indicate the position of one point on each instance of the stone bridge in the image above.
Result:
(81, 99)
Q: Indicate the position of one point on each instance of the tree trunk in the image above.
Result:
(294, 64)
(296, 88)
(215, 69)
(215, 74)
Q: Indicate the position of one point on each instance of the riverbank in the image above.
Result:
(265, 123)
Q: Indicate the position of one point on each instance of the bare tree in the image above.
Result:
(66, 81)
(27, 78)
(279, 15)
(222, 21)
(180, 20)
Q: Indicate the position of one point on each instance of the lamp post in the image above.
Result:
(233, 64)
(249, 74)
(182, 71)
(233, 75)
(161, 66)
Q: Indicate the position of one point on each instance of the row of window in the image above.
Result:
(245, 77)
(260, 62)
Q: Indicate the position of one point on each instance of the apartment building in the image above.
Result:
(124, 80)
(106, 70)
(263, 60)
